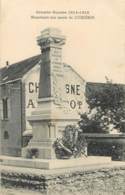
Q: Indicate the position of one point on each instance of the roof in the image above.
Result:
(102, 84)
(18, 70)
(94, 87)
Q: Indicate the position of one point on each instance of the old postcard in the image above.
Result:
(62, 97)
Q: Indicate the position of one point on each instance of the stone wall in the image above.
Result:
(85, 181)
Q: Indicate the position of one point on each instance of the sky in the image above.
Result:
(95, 48)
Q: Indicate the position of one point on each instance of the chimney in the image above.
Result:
(7, 64)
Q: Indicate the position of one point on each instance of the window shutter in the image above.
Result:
(9, 108)
(1, 109)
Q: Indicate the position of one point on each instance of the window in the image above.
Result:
(5, 108)
(6, 135)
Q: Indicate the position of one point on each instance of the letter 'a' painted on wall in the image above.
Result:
(31, 91)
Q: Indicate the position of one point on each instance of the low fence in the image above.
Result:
(106, 145)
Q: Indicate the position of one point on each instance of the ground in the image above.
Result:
(105, 179)
(12, 191)
(19, 191)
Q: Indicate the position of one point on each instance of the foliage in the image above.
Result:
(95, 124)
(32, 153)
(108, 96)
(72, 143)
(106, 109)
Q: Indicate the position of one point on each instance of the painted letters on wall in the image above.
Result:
(73, 91)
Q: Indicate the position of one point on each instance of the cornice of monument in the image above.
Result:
(50, 37)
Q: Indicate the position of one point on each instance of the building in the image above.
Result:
(19, 87)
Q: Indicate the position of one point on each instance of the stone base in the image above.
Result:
(38, 152)
(47, 127)
(54, 164)
(91, 179)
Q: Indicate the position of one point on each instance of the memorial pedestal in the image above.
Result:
(48, 122)
(55, 163)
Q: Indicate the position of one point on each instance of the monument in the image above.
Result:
(59, 95)
(50, 115)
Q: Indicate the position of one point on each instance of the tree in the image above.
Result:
(106, 109)
(107, 96)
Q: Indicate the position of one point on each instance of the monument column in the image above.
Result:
(50, 42)
(48, 115)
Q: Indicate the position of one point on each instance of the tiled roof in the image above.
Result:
(19, 69)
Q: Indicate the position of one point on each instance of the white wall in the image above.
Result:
(31, 91)
(73, 92)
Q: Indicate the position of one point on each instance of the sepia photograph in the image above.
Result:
(62, 97)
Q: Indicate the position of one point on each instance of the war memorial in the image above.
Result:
(60, 100)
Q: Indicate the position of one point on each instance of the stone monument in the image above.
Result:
(55, 110)
(49, 116)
